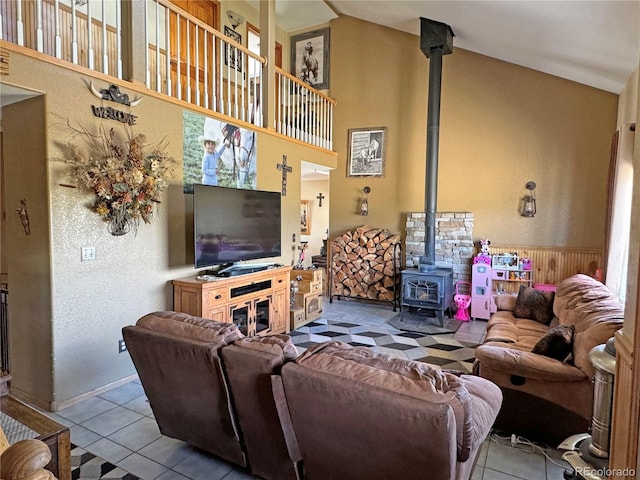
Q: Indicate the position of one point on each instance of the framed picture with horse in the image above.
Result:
(366, 152)
(310, 58)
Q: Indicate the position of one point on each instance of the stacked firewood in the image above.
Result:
(366, 264)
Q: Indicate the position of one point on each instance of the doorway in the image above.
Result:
(314, 195)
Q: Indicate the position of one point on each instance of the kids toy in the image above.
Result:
(484, 256)
(462, 299)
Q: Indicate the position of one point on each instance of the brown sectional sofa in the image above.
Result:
(334, 412)
(547, 399)
(359, 414)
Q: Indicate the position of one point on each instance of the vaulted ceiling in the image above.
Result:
(592, 42)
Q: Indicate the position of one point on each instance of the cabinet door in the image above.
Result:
(481, 280)
(262, 315)
(279, 312)
(219, 314)
(481, 307)
(240, 314)
(187, 301)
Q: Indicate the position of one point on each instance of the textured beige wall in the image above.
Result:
(82, 306)
(501, 126)
(28, 256)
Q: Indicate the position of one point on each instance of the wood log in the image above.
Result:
(366, 264)
(374, 232)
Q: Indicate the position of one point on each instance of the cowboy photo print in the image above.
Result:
(217, 153)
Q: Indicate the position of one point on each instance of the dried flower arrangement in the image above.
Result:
(127, 177)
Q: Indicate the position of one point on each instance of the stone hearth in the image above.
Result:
(454, 241)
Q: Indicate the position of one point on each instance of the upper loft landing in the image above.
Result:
(174, 54)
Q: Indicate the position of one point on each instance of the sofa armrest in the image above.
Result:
(526, 364)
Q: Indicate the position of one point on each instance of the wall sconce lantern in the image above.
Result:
(529, 202)
(364, 206)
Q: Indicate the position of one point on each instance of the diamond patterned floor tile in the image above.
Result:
(342, 324)
(398, 346)
(446, 348)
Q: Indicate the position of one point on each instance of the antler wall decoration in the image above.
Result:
(113, 94)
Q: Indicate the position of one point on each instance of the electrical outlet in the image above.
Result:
(122, 347)
(88, 254)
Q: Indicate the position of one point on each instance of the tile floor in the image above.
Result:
(118, 425)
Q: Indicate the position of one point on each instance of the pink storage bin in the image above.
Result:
(545, 287)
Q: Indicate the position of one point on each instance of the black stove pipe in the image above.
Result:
(433, 138)
(436, 40)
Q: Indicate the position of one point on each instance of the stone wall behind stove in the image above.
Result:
(454, 241)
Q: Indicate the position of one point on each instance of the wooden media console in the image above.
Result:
(257, 302)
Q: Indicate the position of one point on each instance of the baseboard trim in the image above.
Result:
(55, 406)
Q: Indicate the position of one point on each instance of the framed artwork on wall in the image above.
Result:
(234, 166)
(310, 58)
(305, 217)
(232, 56)
(366, 152)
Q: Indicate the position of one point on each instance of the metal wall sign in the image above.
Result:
(113, 94)
(114, 114)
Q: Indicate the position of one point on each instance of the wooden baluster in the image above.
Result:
(168, 52)
(205, 82)
(90, 52)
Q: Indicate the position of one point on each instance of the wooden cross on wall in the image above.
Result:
(285, 170)
(320, 197)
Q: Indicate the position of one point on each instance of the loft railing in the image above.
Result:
(184, 58)
(191, 61)
(302, 112)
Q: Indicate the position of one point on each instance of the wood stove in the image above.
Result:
(426, 293)
(430, 288)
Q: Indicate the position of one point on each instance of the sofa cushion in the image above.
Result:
(415, 379)
(534, 304)
(557, 343)
(595, 312)
(506, 301)
(280, 345)
(504, 327)
(195, 328)
(512, 361)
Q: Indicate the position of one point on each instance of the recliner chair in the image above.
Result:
(177, 357)
(210, 386)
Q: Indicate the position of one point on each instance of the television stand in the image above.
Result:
(256, 301)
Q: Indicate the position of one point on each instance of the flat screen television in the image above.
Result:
(232, 225)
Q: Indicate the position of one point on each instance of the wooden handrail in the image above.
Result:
(305, 86)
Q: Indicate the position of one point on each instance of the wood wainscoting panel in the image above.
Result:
(624, 435)
(553, 264)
